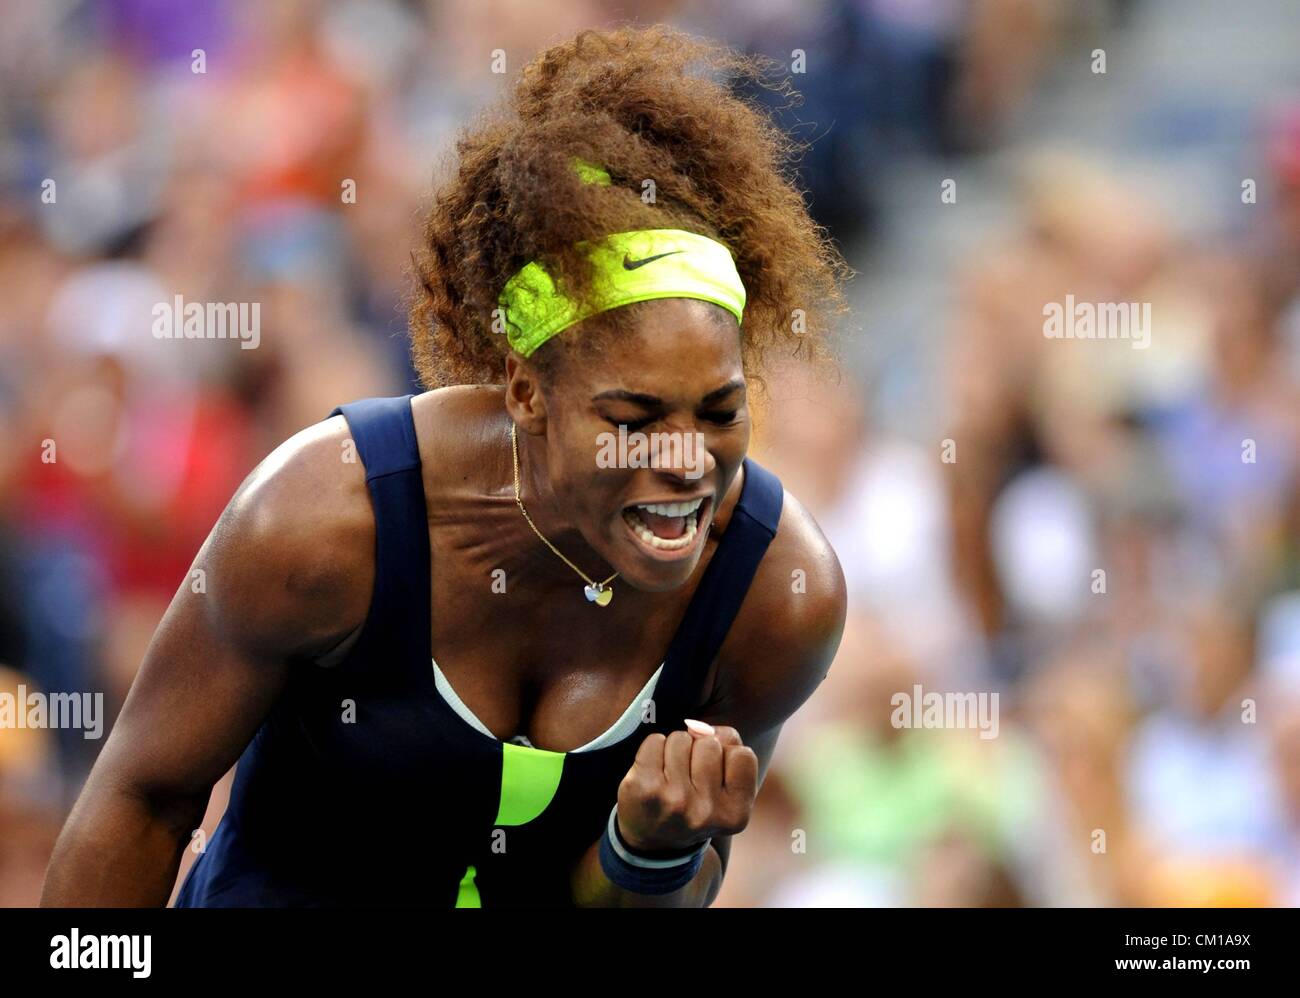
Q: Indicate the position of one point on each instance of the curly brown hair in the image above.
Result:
(646, 104)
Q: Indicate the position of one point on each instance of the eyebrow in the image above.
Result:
(652, 401)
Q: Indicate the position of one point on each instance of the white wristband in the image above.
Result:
(634, 859)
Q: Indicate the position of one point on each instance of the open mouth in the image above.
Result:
(667, 528)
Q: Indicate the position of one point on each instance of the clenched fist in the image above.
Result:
(687, 787)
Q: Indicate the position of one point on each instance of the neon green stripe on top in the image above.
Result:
(467, 895)
(529, 779)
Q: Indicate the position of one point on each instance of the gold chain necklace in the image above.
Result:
(596, 592)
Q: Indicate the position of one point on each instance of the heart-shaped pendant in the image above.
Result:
(598, 595)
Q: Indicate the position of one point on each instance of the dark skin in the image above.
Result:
(285, 590)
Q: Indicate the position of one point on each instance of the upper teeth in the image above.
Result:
(672, 508)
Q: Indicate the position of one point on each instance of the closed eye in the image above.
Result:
(631, 426)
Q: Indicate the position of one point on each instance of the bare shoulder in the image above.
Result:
(782, 642)
(290, 564)
(458, 424)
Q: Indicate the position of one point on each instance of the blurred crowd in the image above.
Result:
(1148, 750)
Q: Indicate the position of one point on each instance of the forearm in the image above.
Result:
(592, 889)
(114, 851)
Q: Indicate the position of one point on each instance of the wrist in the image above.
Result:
(636, 848)
(645, 873)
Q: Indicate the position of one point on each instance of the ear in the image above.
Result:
(524, 399)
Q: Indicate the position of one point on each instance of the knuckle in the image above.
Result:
(655, 740)
(701, 817)
(727, 734)
(631, 792)
(673, 802)
(632, 782)
(708, 745)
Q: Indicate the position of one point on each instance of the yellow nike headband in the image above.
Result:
(630, 266)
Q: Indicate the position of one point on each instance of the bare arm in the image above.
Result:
(287, 573)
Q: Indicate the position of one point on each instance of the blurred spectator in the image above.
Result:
(1203, 790)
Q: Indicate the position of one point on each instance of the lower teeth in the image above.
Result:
(663, 543)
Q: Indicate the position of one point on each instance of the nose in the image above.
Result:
(681, 455)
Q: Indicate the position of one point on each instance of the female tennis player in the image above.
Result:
(528, 638)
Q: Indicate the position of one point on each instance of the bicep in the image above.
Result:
(197, 699)
(221, 655)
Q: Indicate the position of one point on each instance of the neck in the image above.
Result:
(539, 499)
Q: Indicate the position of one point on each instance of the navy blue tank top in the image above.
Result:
(364, 786)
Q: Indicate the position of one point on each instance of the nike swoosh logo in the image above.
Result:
(633, 264)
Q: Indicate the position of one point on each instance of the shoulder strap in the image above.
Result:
(383, 430)
(722, 590)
